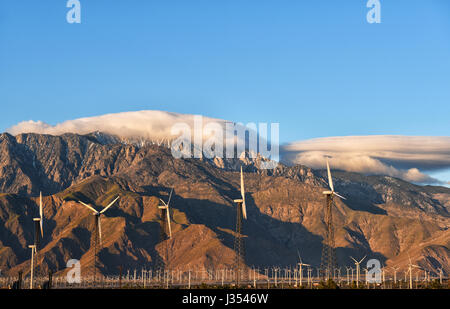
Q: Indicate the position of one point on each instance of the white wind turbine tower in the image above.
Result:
(357, 269)
(38, 235)
(301, 264)
(33, 252)
(98, 228)
(410, 268)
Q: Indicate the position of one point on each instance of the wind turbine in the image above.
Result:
(38, 235)
(395, 269)
(348, 274)
(329, 263)
(98, 228)
(165, 228)
(410, 268)
(165, 212)
(241, 212)
(309, 276)
(301, 264)
(440, 275)
(357, 269)
(367, 279)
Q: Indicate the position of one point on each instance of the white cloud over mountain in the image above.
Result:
(153, 125)
(406, 157)
(156, 126)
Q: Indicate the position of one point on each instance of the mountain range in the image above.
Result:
(383, 217)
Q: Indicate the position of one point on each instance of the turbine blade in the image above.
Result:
(330, 180)
(164, 203)
(168, 222)
(110, 204)
(244, 208)
(362, 259)
(244, 211)
(96, 225)
(37, 234)
(40, 204)
(88, 206)
(339, 195)
(41, 214)
(354, 259)
(299, 257)
(99, 224)
(170, 196)
(242, 185)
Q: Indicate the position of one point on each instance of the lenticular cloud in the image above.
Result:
(406, 157)
(156, 126)
(152, 125)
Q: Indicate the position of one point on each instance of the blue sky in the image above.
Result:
(316, 67)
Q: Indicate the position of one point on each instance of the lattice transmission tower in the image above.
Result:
(328, 263)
